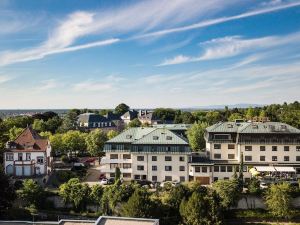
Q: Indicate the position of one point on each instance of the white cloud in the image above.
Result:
(226, 47)
(48, 84)
(5, 78)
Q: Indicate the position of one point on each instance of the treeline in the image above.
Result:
(186, 204)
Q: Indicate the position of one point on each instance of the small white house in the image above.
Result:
(28, 155)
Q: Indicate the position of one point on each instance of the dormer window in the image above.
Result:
(155, 137)
(169, 138)
(128, 136)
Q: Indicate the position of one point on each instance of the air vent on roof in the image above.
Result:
(229, 125)
(128, 136)
(155, 137)
(283, 127)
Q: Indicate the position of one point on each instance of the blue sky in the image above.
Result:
(159, 53)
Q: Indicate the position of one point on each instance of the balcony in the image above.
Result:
(105, 160)
(29, 162)
(112, 170)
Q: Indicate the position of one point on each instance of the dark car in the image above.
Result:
(144, 183)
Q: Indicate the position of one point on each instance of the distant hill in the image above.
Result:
(211, 107)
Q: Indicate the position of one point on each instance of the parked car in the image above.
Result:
(111, 181)
(144, 183)
(104, 181)
(102, 176)
(263, 185)
(169, 184)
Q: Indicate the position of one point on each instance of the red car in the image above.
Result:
(102, 176)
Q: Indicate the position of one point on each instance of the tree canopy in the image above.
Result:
(196, 136)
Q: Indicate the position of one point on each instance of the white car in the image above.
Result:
(263, 185)
(104, 181)
(171, 183)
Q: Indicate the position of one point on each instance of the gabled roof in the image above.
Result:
(29, 139)
(131, 114)
(252, 127)
(92, 118)
(179, 126)
(149, 135)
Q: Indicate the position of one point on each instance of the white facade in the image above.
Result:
(156, 167)
(27, 163)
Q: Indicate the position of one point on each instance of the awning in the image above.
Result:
(285, 169)
(265, 168)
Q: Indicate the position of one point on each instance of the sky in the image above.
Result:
(159, 53)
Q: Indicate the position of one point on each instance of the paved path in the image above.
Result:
(93, 174)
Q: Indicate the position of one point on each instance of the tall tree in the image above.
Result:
(139, 205)
(135, 123)
(74, 141)
(121, 109)
(278, 200)
(213, 117)
(196, 136)
(111, 134)
(14, 132)
(31, 192)
(7, 193)
(95, 142)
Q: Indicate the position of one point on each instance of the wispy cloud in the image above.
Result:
(226, 47)
(212, 22)
(5, 78)
(48, 84)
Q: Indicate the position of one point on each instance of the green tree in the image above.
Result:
(121, 109)
(228, 190)
(39, 125)
(7, 193)
(95, 141)
(117, 174)
(213, 117)
(74, 141)
(235, 116)
(135, 123)
(138, 205)
(57, 144)
(187, 118)
(31, 192)
(53, 124)
(69, 120)
(96, 194)
(200, 209)
(111, 134)
(45, 134)
(196, 136)
(250, 113)
(14, 132)
(164, 114)
(241, 172)
(254, 186)
(75, 192)
(278, 200)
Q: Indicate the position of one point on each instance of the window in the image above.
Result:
(154, 158)
(181, 168)
(204, 169)
(222, 136)
(298, 158)
(155, 137)
(112, 175)
(154, 178)
(217, 146)
(181, 158)
(9, 157)
(140, 158)
(231, 146)
(128, 136)
(223, 168)
(286, 158)
(286, 148)
(297, 148)
(127, 175)
(137, 177)
(113, 165)
(216, 179)
(197, 169)
(168, 168)
(229, 168)
(168, 178)
(217, 156)
(262, 158)
(274, 148)
(248, 158)
(216, 168)
(248, 148)
(154, 168)
(126, 156)
(182, 179)
(113, 156)
(226, 178)
(274, 158)
(20, 156)
(139, 167)
(40, 159)
(28, 156)
(168, 158)
(262, 148)
(126, 165)
(169, 138)
(231, 156)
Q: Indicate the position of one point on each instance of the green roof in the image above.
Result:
(173, 126)
(149, 135)
(252, 127)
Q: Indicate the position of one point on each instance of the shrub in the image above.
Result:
(65, 159)
(63, 175)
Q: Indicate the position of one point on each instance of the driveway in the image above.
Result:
(93, 174)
